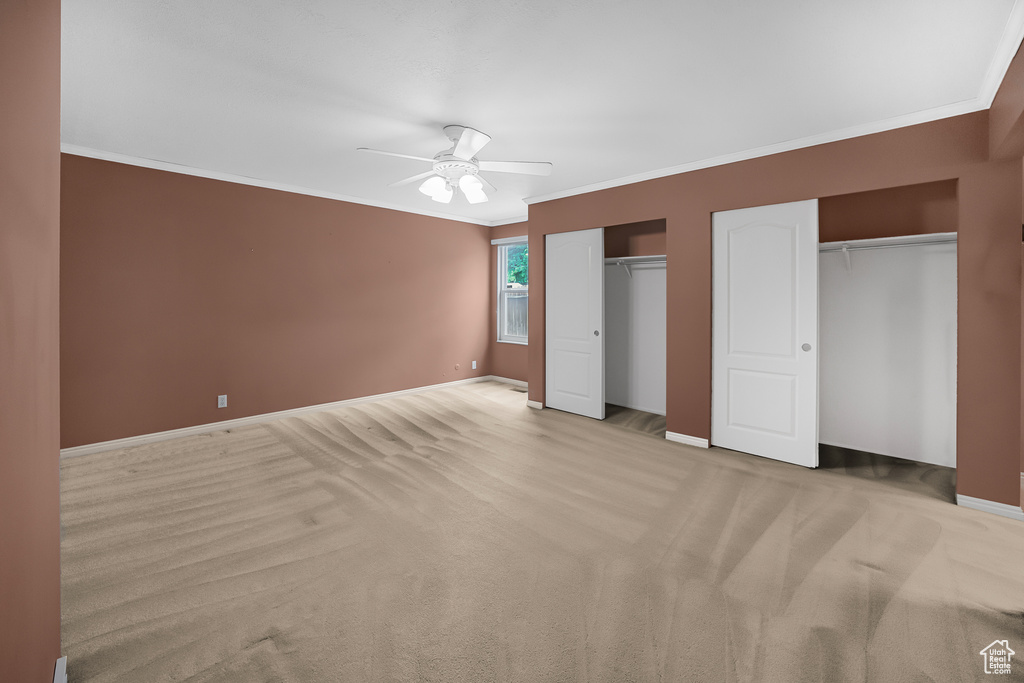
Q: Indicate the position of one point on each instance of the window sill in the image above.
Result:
(506, 341)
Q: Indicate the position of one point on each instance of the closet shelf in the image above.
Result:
(886, 242)
(632, 260)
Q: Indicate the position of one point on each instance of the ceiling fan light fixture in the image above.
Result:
(438, 189)
(444, 196)
(455, 169)
(473, 189)
(433, 186)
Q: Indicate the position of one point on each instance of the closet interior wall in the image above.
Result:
(887, 333)
(888, 325)
(635, 317)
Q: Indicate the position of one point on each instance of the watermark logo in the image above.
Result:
(997, 657)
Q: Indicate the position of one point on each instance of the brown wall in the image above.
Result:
(646, 238)
(908, 210)
(506, 360)
(989, 268)
(29, 403)
(176, 289)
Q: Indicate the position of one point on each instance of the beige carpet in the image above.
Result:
(461, 536)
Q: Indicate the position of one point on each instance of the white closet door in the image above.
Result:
(574, 322)
(765, 331)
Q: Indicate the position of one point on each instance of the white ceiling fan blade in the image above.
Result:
(526, 167)
(393, 154)
(412, 179)
(470, 142)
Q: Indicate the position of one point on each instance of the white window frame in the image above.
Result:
(502, 270)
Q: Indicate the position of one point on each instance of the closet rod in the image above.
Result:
(888, 242)
(633, 260)
(628, 261)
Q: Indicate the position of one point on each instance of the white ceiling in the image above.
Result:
(280, 93)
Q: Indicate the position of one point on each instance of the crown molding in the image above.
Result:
(158, 165)
(926, 116)
(1006, 49)
(509, 221)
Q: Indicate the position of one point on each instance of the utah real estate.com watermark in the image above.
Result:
(997, 656)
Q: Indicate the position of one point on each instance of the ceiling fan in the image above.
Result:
(457, 167)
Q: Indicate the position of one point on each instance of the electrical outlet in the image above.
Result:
(222, 401)
(474, 365)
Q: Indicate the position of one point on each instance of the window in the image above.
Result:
(513, 290)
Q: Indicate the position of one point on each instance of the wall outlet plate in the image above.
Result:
(474, 365)
(222, 401)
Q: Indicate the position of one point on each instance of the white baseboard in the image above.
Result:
(688, 440)
(507, 380)
(536, 405)
(60, 671)
(1001, 509)
(127, 442)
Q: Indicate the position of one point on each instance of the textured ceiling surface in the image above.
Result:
(283, 93)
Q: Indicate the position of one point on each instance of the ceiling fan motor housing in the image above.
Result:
(452, 168)
(457, 169)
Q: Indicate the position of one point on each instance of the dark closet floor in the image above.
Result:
(635, 420)
(933, 481)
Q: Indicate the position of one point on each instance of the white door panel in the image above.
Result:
(765, 331)
(574, 322)
(572, 372)
(761, 401)
(761, 309)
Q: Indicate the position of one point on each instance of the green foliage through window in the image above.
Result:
(513, 292)
(518, 262)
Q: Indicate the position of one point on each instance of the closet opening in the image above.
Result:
(887, 333)
(635, 299)
(834, 332)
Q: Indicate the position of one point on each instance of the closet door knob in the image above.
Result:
(806, 347)
(596, 333)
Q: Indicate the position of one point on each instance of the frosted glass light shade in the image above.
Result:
(444, 196)
(472, 188)
(433, 185)
(437, 189)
